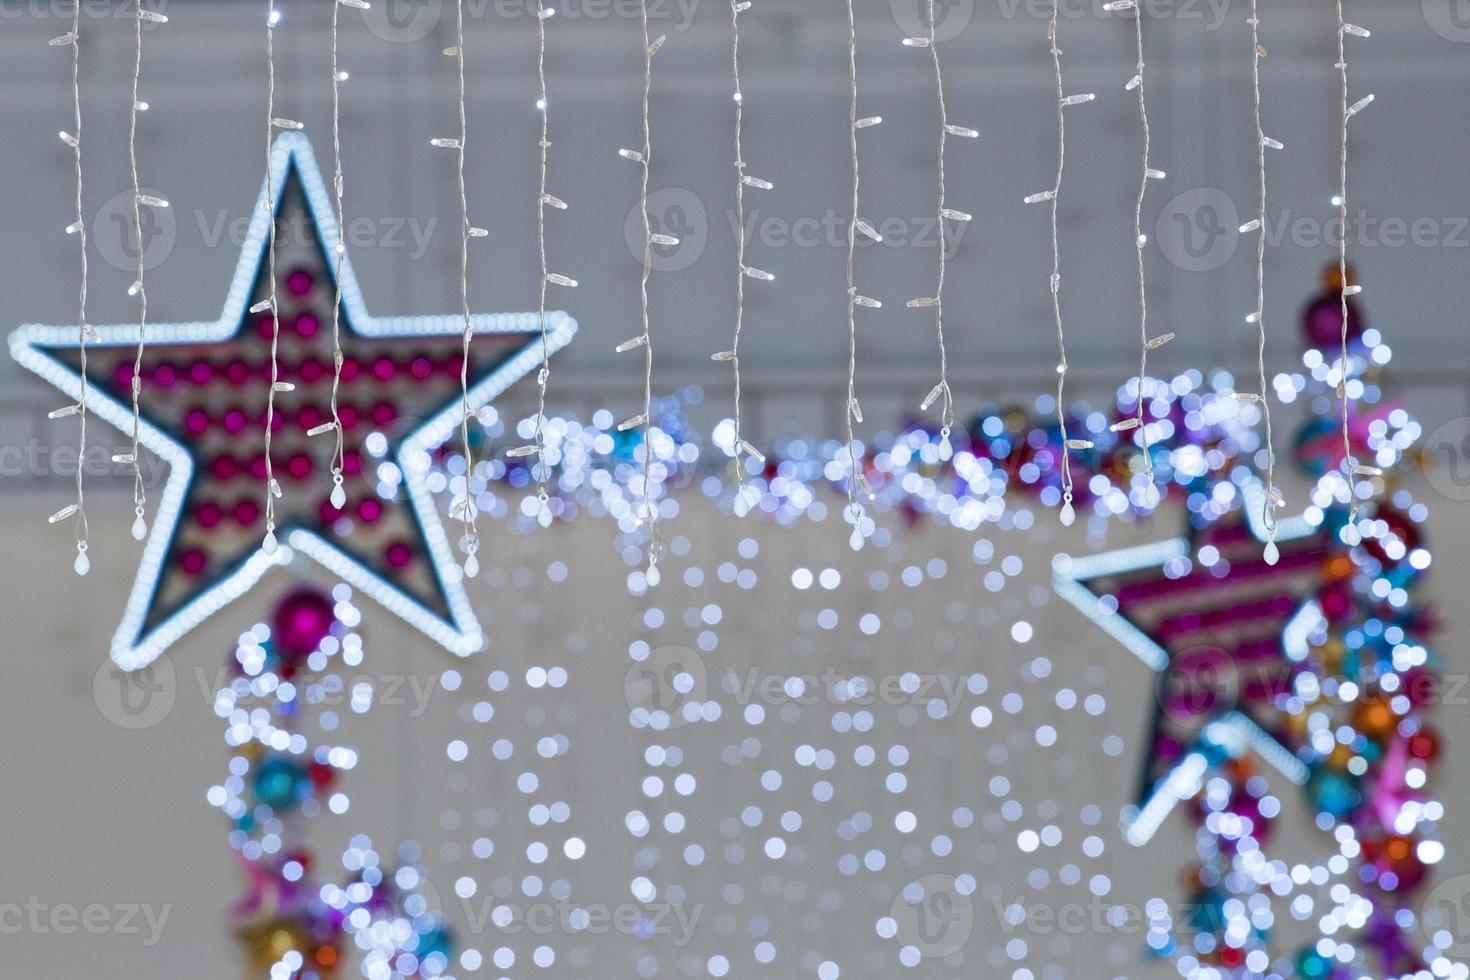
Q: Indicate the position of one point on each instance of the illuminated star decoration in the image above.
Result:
(205, 390)
(1222, 629)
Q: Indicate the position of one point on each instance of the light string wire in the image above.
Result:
(742, 272)
(537, 448)
(739, 98)
(543, 377)
(466, 503)
(272, 488)
(940, 392)
(140, 496)
(1068, 514)
(339, 494)
(644, 420)
(856, 481)
(78, 228)
(1052, 197)
(1272, 496)
(1351, 467)
(1140, 241)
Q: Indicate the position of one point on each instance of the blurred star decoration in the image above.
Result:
(204, 395)
(1315, 667)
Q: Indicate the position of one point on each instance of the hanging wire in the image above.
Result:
(1272, 497)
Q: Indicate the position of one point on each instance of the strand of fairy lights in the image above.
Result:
(742, 271)
(543, 513)
(543, 201)
(644, 419)
(1273, 498)
(338, 496)
(856, 481)
(1053, 196)
(1150, 493)
(940, 392)
(1350, 464)
(464, 508)
(78, 509)
(273, 122)
(140, 200)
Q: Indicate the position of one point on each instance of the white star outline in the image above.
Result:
(461, 634)
(1232, 732)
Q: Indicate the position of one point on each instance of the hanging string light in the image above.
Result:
(644, 420)
(273, 122)
(1351, 466)
(1150, 492)
(940, 393)
(543, 201)
(78, 509)
(856, 481)
(338, 496)
(463, 508)
(1053, 197)
(743, 447)
(140, 15)
(1273, 498)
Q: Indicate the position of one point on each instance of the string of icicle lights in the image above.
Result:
(644, 419)
(743, 447)
(1149, 492)
(856, 481)
(140, 497)
(77, 510)
(273, 122)
(1273, 499)
(543, 201)
(338, 497)
(1351, 467)
(940, 394)
(1053, 197)
(463, 508)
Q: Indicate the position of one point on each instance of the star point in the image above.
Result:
(1219, 666)
(205, 547)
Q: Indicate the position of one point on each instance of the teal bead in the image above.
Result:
(1334, 793)
(280, 783)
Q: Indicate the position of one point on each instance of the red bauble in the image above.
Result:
(321, 775)
(302, 620)
(1424, 745)
(299, 282)
(398, 554)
